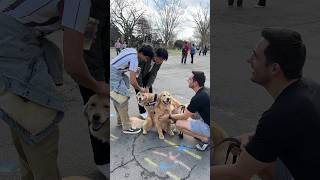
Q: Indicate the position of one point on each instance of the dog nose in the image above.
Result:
(96, 117)
(168, 99)
(140, 99)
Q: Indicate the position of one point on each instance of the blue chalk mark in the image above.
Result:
(182, 147)
(164, 166)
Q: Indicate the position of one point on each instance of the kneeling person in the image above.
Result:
(195, 120)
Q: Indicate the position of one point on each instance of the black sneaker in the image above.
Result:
(202, 146)
(132, 131)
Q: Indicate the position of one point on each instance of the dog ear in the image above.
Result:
(85, 107)
(84, 111)
(159, 99)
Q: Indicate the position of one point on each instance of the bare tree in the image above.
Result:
(202, 21)
(144, 29)
(125, 15)
(169, 12)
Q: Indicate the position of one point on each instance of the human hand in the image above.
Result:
(144, 90)
(244, 139)
(101, 88)
(147, 89)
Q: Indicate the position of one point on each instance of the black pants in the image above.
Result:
(239, 3)
(101, 151)
(144, 82)
(191, 58)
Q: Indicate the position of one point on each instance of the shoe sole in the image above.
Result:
(202, 149)
(127, 132)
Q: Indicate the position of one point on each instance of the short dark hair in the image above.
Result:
(199, 77)
(162, 53)
(287, 49)
(146, 50)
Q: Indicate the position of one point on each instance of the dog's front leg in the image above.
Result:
(147, 125)
(158, 126)
(169, 128)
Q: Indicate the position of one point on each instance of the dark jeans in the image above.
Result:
(184, 57)
(118, 50)
(101, 151)
(204, 53)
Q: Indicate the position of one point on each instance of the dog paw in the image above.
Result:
(161, 137)
(144, 132)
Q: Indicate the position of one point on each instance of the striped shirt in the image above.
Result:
(126, 60)
(47, 16)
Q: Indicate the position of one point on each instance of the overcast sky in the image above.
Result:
(187, 26)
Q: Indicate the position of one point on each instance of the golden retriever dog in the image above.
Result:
(165, 105)
(148, 101)
(219, 152)
(97, 112)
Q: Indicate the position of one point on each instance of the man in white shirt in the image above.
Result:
(127, 61)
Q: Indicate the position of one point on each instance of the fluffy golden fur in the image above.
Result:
(148, 101)
(218, 154)
(97, 112)
(165, 105)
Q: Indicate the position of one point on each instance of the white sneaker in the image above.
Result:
(144, 115)
(104, 169)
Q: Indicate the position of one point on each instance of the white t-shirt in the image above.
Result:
(126, 60)
(151, 65)
(45, 15)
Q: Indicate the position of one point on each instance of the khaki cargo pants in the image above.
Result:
(38, 161)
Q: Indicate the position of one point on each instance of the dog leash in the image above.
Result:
(234, 157)
(235, 143)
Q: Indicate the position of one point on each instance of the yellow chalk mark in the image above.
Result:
(149, 161)
(170, 174)
(192, 154)
(170, 142)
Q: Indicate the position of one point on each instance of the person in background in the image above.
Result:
(192, 52)
(185, 49)
(118, 46)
